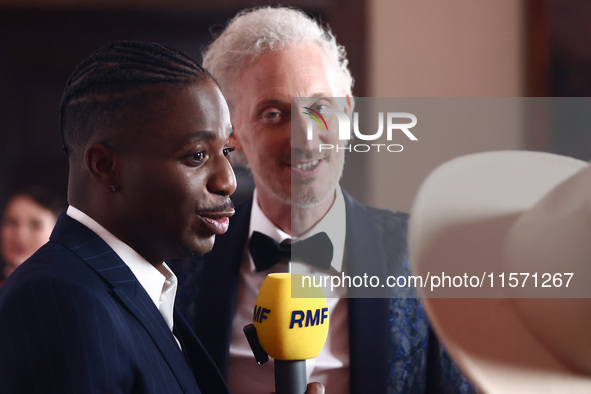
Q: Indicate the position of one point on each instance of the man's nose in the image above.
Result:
(304, 132)
(222, 180)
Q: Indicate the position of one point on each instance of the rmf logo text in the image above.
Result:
(308, 318)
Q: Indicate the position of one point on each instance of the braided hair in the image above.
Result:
(112, 86)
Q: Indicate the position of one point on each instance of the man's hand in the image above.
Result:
(315, 388)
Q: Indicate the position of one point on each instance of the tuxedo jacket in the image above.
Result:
(392, 349)
(74, 319)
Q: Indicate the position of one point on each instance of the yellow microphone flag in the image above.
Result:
(290, 328)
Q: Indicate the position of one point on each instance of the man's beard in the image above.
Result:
(307, 196)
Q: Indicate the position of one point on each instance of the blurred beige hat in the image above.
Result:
(492, 215)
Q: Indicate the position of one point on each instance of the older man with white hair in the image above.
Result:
(262, 59)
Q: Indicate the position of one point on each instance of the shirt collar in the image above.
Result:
(159, 282)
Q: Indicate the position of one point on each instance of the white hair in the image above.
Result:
(256, 31)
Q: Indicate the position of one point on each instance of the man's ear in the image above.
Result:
(349, 105)
(101, 163)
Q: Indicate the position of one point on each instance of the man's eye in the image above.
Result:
(198, 157)
(272, 115)
(228, 150)
(320, 107)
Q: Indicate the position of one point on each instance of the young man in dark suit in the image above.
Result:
(147, 134)
(264, 58)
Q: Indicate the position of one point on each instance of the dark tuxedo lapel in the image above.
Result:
(217, 286)
(107, 264)
(368, 317)
(209, 378)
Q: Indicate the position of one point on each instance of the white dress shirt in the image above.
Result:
(331, 367)
(159, 282)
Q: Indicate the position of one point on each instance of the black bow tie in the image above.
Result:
(266, 252)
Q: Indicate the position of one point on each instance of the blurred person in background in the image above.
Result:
(27, 221)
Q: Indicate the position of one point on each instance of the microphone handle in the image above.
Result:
(290, 376)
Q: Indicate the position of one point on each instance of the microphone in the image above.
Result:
(291, 330)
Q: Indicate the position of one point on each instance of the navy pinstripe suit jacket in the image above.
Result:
(74, 319)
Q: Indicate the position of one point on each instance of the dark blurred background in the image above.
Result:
(42, 40)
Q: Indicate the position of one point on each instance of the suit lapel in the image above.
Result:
(368, 317)
(107, 264)
(209, 378)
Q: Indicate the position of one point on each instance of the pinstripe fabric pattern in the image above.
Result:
(73, 319)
